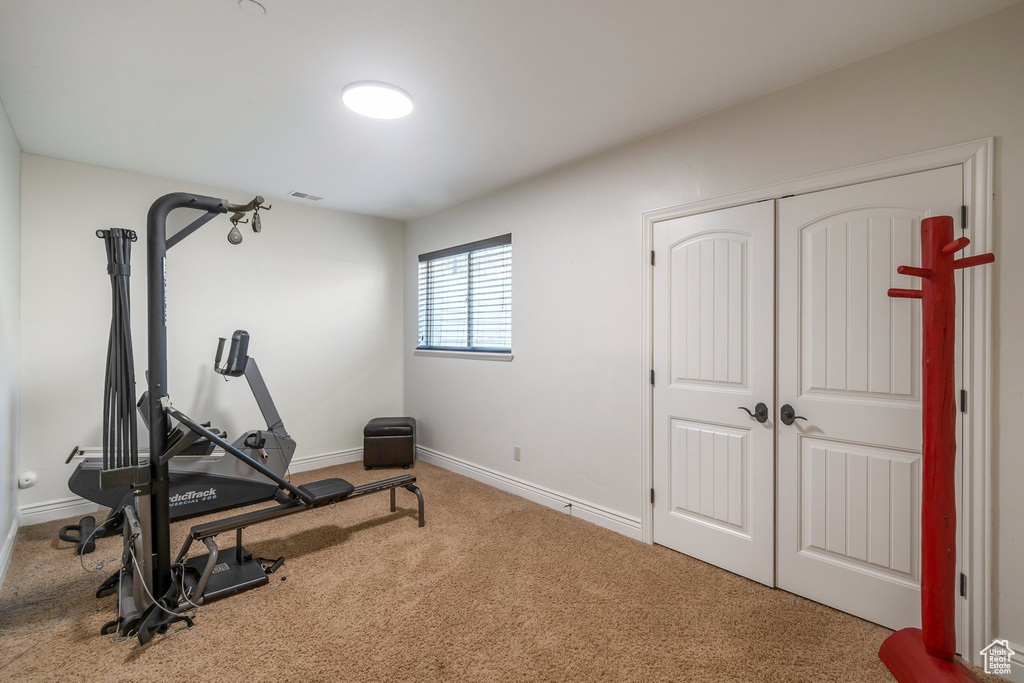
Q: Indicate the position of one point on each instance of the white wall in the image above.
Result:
(320, 291)
(10, 283)
(572, 396)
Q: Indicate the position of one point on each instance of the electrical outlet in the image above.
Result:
(516, 452)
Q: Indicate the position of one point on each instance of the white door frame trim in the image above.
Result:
(976, 515)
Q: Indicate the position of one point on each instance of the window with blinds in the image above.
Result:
(466, 297)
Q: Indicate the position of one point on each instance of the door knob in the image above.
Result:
(760, 412)
(789, 415)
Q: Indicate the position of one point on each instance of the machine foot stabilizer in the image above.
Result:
(235, 570)
(85, 533)
(160, 616)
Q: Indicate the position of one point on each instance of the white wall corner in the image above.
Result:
(627, 525)
(8, 548)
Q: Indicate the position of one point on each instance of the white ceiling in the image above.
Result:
(198, 90)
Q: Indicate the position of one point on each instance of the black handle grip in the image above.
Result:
(217, 365)
(788, 415)
(238, 355)
(271, 567)
(760, 412)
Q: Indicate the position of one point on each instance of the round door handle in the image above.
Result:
(789, 415)
(760, 412)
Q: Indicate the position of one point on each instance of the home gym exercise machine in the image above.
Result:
(154, 592)
(201, 482)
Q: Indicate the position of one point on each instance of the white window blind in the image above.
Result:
(466, 297)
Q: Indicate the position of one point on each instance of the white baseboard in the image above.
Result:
(74, 506)
(315, 462)
(49, 510)
(1017, 665)
(8, 548)
(591, 512)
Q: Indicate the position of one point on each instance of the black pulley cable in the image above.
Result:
(120, 424)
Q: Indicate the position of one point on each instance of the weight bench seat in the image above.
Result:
(327, 491)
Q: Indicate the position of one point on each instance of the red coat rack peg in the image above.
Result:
(971, 261)
(929, 653)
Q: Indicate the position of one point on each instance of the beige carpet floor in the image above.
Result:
(493, 588)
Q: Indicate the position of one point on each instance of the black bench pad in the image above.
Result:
(327, 490)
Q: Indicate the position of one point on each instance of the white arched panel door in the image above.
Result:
(849, 361)
(713, 354)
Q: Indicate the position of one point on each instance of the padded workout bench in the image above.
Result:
(389, 442)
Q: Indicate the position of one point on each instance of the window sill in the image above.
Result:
(473, 355)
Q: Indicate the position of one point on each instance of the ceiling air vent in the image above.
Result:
(303, 195)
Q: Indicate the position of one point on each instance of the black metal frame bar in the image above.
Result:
(263, 399)
(419, 499)
(190, 228)
(156, 262)
(157, 244)
(291, 507)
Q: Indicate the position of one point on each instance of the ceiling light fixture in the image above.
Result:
(252, 7)
(377, 100)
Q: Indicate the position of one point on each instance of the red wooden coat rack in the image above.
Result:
(928, 653)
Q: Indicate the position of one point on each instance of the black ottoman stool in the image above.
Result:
(389, 442)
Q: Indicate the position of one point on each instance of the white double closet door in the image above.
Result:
(784, 303)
